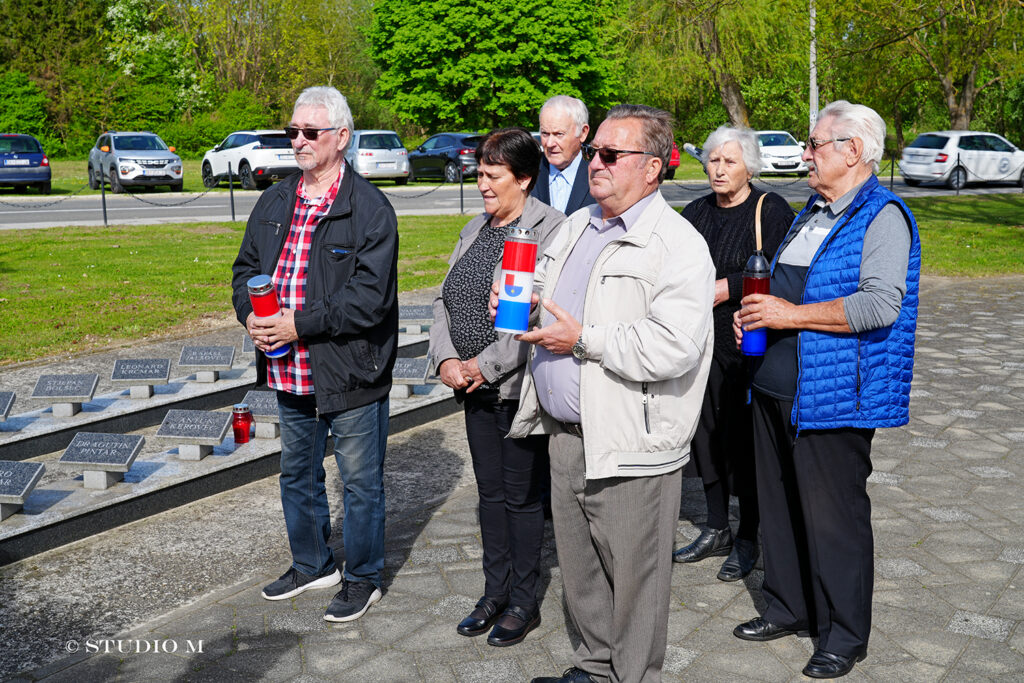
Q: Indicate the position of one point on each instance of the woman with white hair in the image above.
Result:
(723, 447)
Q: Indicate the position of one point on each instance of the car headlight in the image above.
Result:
(176, 168)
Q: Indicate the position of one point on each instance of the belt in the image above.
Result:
(574, 428)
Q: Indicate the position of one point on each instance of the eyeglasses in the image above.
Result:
(815, 144)
(310, 133)
(608, 155)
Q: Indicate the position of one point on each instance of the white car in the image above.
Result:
(780, 153)
(957, 157)
(379, 154)
(257, 158)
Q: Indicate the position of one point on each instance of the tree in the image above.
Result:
(483, 63)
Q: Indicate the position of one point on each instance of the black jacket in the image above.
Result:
(350, 316)
(579, 195)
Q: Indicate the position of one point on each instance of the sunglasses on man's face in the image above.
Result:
(309, 133)
(608, 155)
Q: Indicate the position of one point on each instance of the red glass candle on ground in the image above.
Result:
(241, 422)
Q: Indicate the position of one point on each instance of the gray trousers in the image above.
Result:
(614, 539)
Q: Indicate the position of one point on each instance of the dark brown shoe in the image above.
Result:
(482, 617)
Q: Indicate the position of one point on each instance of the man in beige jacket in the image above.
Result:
(617, 377)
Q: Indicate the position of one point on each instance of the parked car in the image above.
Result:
(673, 162)
(22, 163)
(127, 159)
(257, 159)
(379, 154)
(442, 155)
(957, 157)
(780, 153)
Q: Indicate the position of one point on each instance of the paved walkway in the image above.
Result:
(948, 511)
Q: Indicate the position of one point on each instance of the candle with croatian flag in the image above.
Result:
(265, 305)
(515, 287)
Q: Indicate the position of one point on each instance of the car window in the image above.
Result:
(445, 141)
(969, 143)
(470, 141)
(104, 140)
(379, 141)
(138, 143)
(231, 142)
(929, 141)
(275, 140)
(998, 144)
(775, 139)
(431, 143)
(19, 145)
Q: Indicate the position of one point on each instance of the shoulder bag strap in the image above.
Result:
(757, 220)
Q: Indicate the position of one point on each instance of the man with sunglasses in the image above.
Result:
(841, 317)
(329, 241)
(617, 377)
(562, 182)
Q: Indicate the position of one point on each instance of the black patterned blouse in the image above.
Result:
(467, 290)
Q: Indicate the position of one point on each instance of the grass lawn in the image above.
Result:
(67, 290)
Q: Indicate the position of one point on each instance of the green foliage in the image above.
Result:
(23, 107)
(476, 64)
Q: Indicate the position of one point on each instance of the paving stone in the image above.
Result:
(988, 472)
(948, 514)
(989, 659)
(885, 478)
(503, 669)
(928, 443)
(1015, 555)
(897, 568)
(980, 626)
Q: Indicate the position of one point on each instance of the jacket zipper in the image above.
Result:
(647, 411)
(858, 372)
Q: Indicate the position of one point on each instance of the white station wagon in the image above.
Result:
(780, 153)
(958, 157)
(257, 158)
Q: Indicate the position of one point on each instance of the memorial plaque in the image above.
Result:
(207, 357)
(106, 452)
(423, 315)
(203, 427)
(139, 371)
(410, 371)
(6, 403)
(262, 405)
(17, 479)
(247, 345)
(73, 388)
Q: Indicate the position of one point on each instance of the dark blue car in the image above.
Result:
(22, 163)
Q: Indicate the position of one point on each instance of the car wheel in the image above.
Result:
(958, 178)
(670, 174)
(177, 187)
(245, 176)
(802, 174)
(1020, 181)
(911, 182)
(94, 182)
(412, 176)
(210, 181)
(44, 188)
(115, 185)
(451, 173)
(401, 181)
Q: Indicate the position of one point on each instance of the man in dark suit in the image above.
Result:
(562, 183)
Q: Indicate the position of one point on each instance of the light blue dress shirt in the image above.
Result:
(560, 183)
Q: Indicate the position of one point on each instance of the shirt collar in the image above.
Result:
(326, 198)
(840, 205)
(627, 219)
(570, 171)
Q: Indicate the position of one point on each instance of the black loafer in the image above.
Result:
(711, 542)
(482, 617)
(760, 630)
(503, 636)
(572, 675)
(827, 665)
(740, 561)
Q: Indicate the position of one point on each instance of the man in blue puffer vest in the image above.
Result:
(841, 317)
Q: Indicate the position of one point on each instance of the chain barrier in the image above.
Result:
(397, 195)
(43, 205)
(168, 204)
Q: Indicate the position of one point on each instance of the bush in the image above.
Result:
(23, 107)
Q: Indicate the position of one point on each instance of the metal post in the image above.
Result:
(957, 168)
(461, 204)
(231, 191)
(892, 170)
(103, 198)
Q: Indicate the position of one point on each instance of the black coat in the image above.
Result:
(350, 316)
(579, 196)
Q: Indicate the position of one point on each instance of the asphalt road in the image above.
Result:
(19, 212)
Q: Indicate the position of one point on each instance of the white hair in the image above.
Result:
(572, 106)
(858, 121)
(338, 113)
(744, 137)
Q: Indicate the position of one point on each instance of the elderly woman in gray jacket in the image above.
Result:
(485, 368)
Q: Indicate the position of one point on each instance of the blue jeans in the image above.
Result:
(360, 440)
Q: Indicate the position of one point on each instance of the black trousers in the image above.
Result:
(508, 481)
(815, 526)
(723, 448)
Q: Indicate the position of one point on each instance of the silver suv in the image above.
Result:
(128, 159)
(378, 154)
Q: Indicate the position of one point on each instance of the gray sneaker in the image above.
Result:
(352, 601)
(293, 582)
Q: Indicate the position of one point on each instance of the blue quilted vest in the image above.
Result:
(856, 380)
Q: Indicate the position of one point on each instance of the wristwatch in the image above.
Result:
(579, 349)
